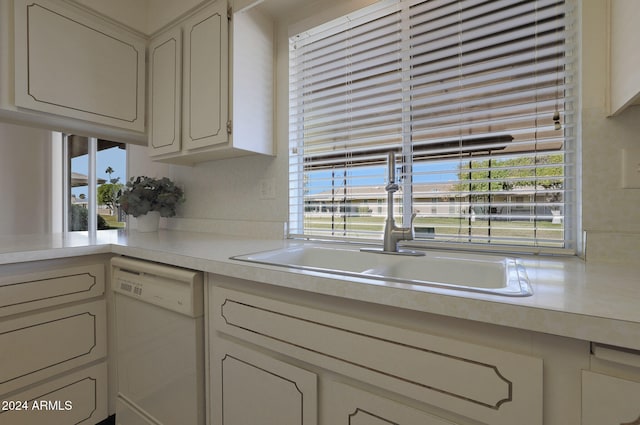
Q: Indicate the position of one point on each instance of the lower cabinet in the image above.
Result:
(76, 398)
(53, 343)
(266, 355)
(35, 347)
(252, 388)
(608, 400)
(611, 386)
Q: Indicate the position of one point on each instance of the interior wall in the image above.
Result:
(224, 196)
(25, 182)
(611, 216)
(230, 188)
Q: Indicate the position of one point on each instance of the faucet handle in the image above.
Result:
(392, 187)
(407, 231)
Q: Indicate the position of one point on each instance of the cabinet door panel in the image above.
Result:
(609, 401)
(205, 104)
(346, 405)
(71, 64)
(251, 388)
(76, 398)
(41, 345)
(165, 95)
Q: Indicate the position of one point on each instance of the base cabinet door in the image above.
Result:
(40, 345)
(346, 405)
(607, 400)
(251, 388)
(77, 398)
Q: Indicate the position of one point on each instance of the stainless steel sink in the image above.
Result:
(492, 274)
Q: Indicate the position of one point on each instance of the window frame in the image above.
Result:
(63, 174)
(571, 202)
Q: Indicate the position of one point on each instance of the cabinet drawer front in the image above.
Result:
(490, 385)
(76, 398)
(71, 64)
(609, 400)
(38, 346)
(25, 292)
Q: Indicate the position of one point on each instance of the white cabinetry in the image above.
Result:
(165, 94)
(71, 70)
(78, 398)
(346, 405)
(205, 79)
(467, 380)
(54, 366)
(624, 63)
(611, 389)
(609, 400)
(207, 100)
(251, 388)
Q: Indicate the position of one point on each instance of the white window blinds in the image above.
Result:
(475, 98)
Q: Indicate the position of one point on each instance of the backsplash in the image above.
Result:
(224, 196)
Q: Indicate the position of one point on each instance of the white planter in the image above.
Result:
(148, 222)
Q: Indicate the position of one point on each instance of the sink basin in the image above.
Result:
(492, 274)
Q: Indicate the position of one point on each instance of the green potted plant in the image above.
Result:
(148, 199)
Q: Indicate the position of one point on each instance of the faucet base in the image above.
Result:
(407, 252)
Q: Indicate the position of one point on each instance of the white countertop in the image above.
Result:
(584, 300)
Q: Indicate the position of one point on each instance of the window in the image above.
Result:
(474, 97)
(96, 170)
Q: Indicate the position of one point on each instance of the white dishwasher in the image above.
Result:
(159, 343)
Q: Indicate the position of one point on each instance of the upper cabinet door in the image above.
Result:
(69, 63)
(206, 78)
(165, 87)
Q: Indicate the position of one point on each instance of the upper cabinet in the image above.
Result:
(624, 65)
(70, 70)
(211, 91)
(68, 67)
(205, 79)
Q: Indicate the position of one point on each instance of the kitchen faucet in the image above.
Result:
(392, 233)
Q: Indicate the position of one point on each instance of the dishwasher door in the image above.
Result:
(160, 344)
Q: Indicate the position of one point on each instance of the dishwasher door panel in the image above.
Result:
(160, 358)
